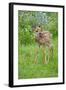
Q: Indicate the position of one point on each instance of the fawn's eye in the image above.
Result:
(36, 31)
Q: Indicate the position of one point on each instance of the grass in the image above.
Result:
(28, 69)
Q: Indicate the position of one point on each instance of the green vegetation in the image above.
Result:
(27, 46)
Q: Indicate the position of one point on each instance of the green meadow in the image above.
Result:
(27, 46)
(27, 68)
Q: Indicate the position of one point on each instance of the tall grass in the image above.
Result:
(27, 67)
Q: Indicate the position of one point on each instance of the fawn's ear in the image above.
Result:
(33, 29)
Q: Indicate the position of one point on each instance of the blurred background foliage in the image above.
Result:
(28, 20)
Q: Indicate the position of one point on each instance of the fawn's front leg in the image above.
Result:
(44, 55)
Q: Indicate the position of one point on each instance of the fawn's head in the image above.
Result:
(38, 29)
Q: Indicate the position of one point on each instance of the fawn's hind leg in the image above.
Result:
(51, 52)
(36, 53)
(46, 53)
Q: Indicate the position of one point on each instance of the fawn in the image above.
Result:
(44, 39)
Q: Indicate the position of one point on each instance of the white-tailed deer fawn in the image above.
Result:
(44, 39)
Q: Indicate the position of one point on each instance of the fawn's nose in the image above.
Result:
(40, 34)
